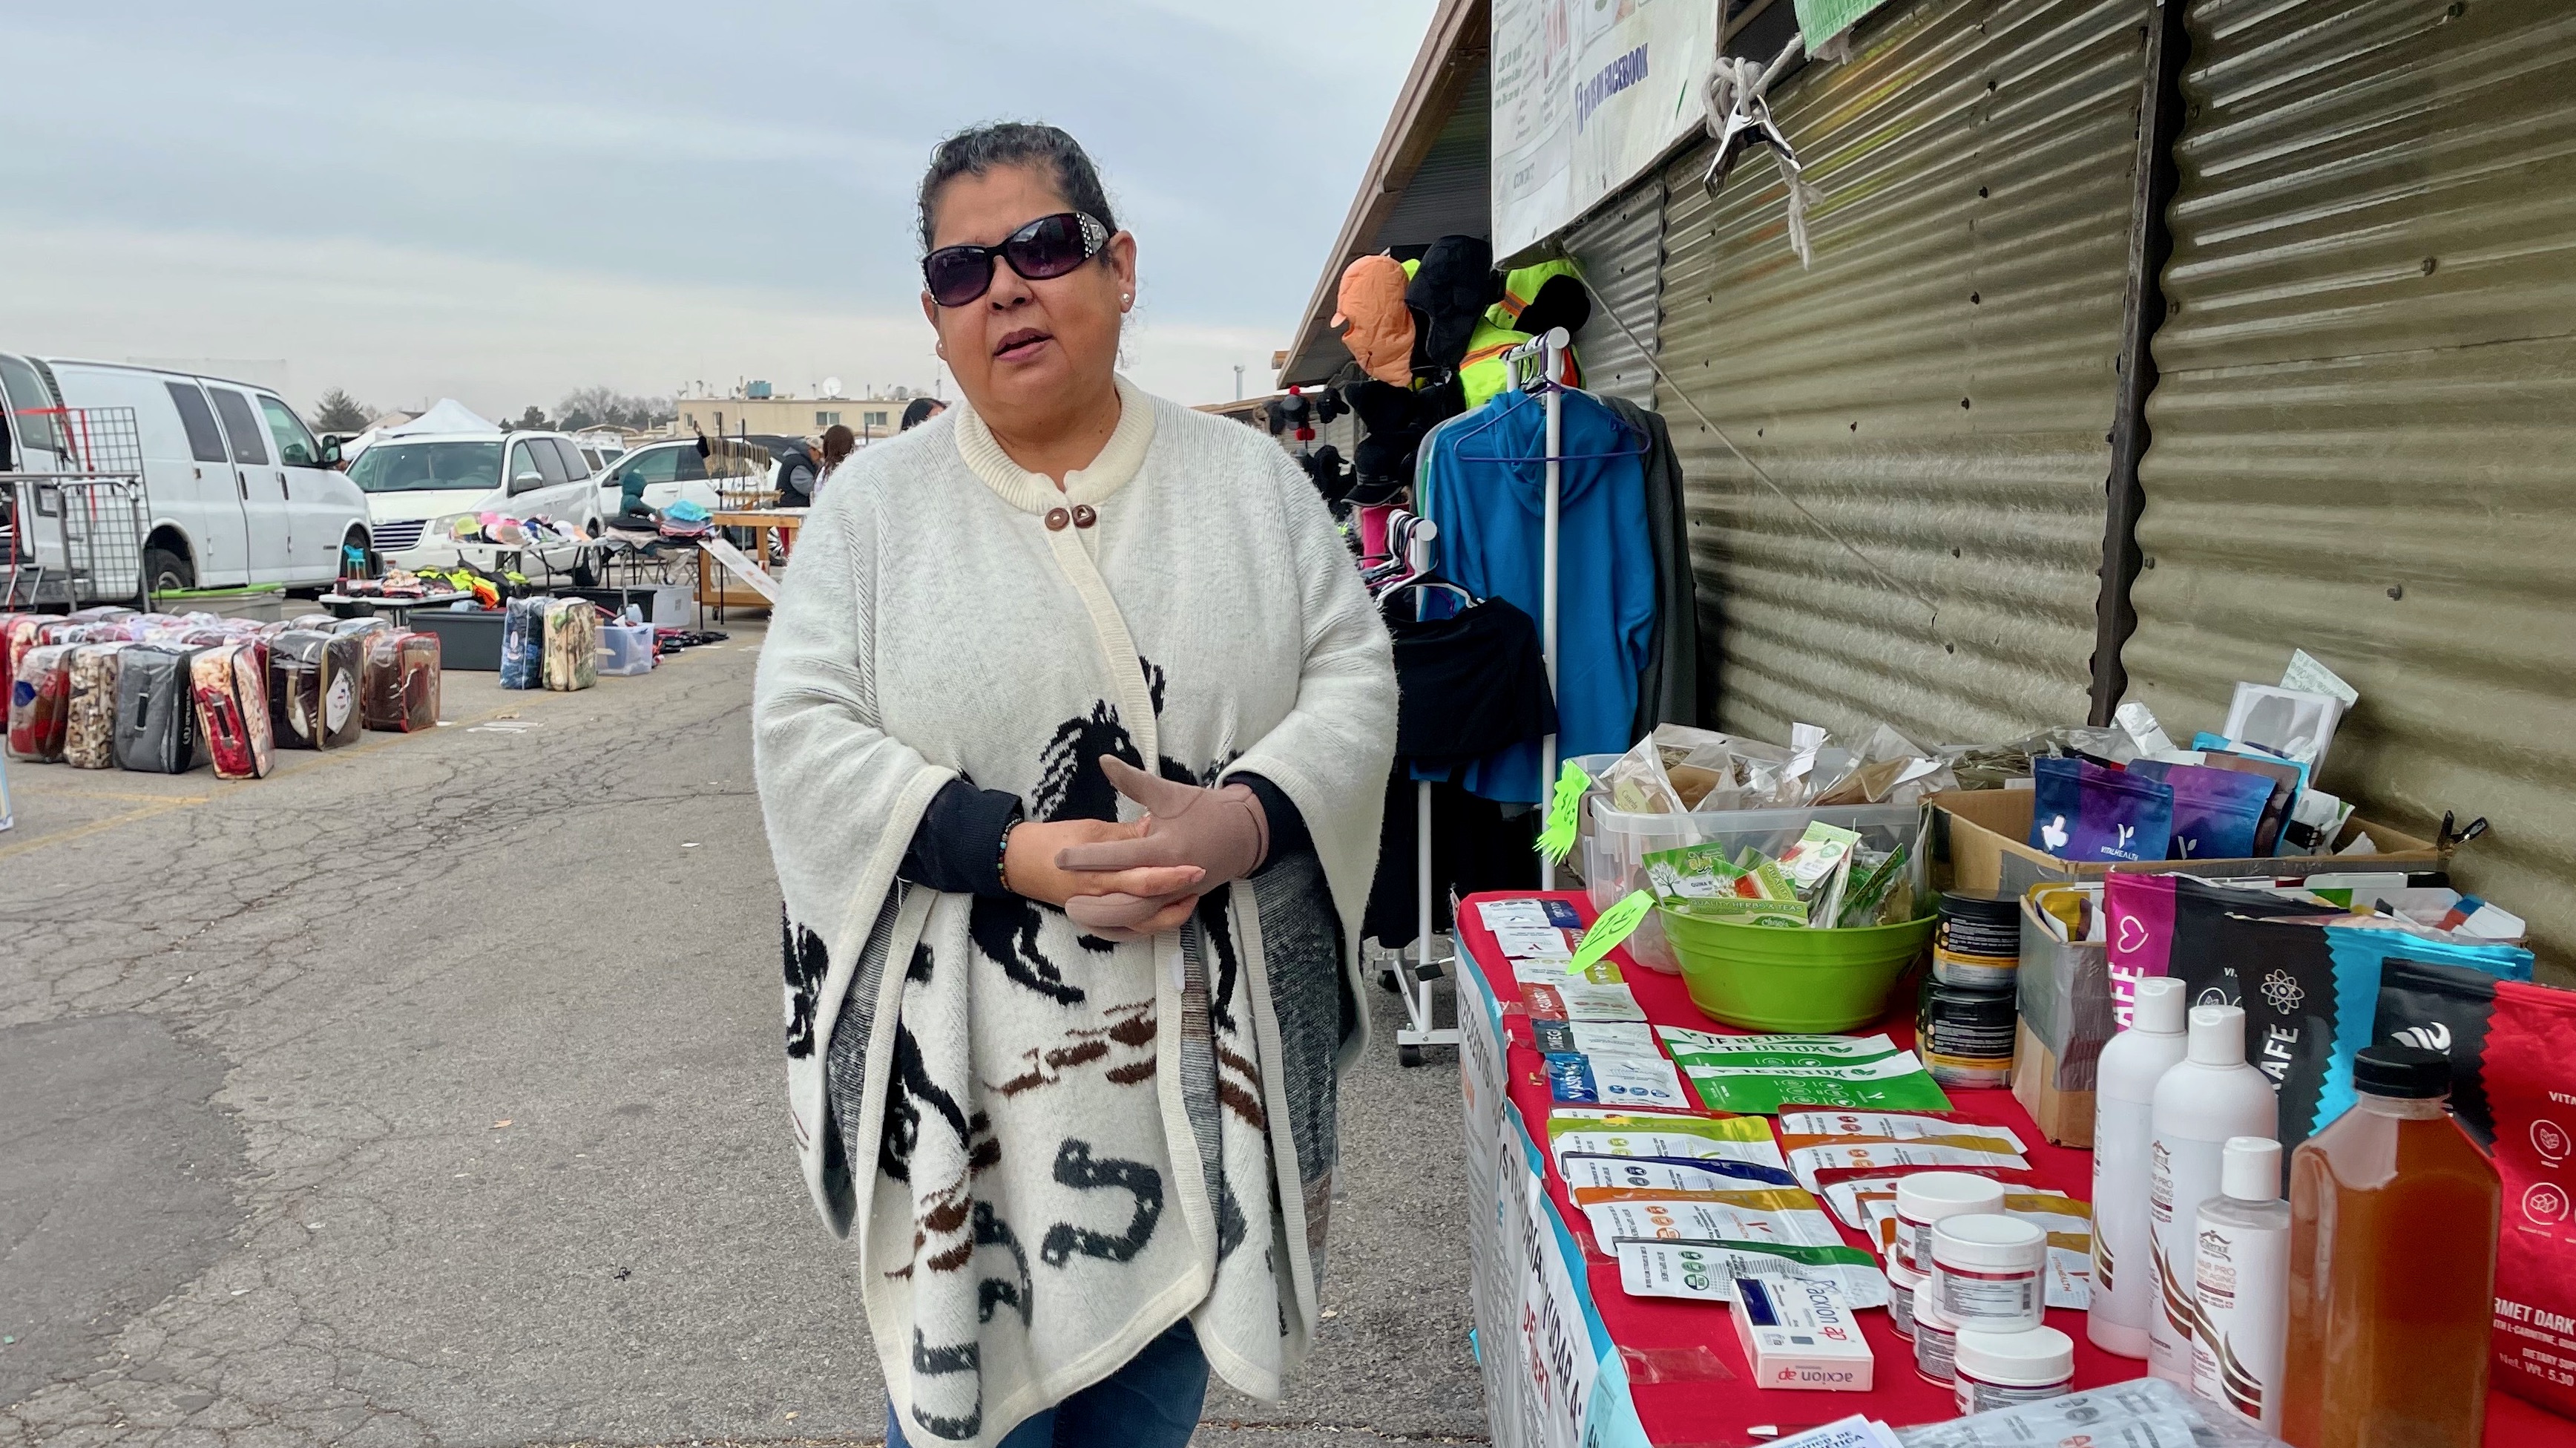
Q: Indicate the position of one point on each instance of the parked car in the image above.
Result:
(241, 492)
(418, 485)
(602, 447)
(670, 470)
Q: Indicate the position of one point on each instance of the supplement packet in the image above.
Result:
(2143, 1413)
(1498, 914)
(1805, 1162)
(1709, 1048)
(1668, 1173)
(1632, 1081)
(1886, 1126)
(1897, 1081)
(1577, 1000)
(1775, 1216)
(1706, 1271)
(1595, 1038)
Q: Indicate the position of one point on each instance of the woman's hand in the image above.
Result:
(1029, 868)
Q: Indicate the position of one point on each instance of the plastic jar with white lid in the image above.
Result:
(1990, 1271)
(1998, 1369)
(1936, 1340)
(1925, 1198)
(1901, 1283)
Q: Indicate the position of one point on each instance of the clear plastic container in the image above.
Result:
(1615, 844)
(625, 649)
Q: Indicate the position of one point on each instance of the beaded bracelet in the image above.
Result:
(1002, 857)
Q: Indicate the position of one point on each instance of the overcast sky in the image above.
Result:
(504, 202)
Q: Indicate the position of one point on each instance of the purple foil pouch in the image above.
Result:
(2083, 811)
(2217, 813)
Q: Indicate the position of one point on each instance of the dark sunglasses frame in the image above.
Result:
(1019, 250)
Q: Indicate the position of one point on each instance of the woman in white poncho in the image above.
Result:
(1072, 730)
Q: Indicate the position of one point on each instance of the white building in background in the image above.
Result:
(753, 407)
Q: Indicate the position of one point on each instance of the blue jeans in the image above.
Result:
(1152, 1402)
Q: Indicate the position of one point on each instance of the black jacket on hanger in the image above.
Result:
(1668, 689)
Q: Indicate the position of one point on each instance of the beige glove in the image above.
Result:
(1222, 831)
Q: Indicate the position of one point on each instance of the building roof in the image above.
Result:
(1429, 125)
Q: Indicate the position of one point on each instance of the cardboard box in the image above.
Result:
(1983, 833)
(1800, 1334)
(2064, 993)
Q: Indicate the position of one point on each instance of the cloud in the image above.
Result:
(512, 201)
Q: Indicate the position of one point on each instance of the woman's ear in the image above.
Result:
(929, 310)
(1122, 262)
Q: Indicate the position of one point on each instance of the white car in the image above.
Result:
(669, 471)
(240, 491)
(420, 485)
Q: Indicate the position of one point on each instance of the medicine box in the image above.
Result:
(1801, 1334)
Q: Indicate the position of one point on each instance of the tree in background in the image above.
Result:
(337, 411)
(601, 407)
(534, 420)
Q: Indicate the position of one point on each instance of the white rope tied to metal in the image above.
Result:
(1739, 116)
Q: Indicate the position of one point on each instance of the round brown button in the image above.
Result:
(1056, 519)
(1083, 517)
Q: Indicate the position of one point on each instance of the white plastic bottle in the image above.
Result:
(2210, 1097)
(2241, 1276)
(2124, 1295)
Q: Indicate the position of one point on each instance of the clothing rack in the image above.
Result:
(1416, 977)
(1536, 364)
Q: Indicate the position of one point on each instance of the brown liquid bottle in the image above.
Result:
(2393, 1216)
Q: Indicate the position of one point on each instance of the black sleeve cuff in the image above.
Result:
(1288, 835)
(958, 848)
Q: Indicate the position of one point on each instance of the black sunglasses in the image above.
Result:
(1047, 247)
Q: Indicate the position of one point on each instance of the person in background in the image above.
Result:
(796, 475)
(921, 410)
(1072, 844)
(838, 443)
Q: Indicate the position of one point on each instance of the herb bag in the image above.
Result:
(2217, 813)
(2085, 811)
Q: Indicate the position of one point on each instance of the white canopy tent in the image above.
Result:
(448, 417)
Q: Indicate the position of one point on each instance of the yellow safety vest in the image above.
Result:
(1520, 288)
(1485, 374)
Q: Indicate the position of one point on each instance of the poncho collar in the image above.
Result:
(1119, 459)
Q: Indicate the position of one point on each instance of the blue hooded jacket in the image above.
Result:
(1493, 520)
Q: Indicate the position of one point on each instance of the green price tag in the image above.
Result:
(1564, 814)
(1615, 924)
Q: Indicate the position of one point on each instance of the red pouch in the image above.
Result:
(2530, 1091)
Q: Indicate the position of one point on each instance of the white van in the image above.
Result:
(418, 484)
(240, 491)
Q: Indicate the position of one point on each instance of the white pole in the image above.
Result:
(1557, 340)
(1419, 557)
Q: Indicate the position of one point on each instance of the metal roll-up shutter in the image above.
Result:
(1621, 250)
(1938, 389)
(2364, 435)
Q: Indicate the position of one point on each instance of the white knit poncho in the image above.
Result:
(1055, 1148)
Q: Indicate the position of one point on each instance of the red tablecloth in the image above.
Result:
(1691, 1385)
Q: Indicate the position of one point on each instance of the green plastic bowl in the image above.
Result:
(1781, 978)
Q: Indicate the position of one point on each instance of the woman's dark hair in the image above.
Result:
(920, 410)
(976, 151)
(838, 442)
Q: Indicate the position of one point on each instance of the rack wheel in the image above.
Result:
(1408, 1055)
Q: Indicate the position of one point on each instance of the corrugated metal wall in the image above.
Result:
(1938, 388)
(2361, 435)
(1621, 250)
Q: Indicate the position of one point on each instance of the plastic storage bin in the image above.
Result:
(625, 649)
(1616, 843)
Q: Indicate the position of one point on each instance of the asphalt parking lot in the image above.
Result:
(429, 1092)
